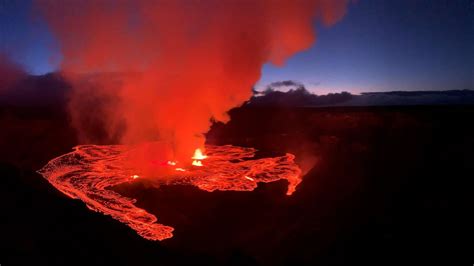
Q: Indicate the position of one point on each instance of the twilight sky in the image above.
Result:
(380, 45)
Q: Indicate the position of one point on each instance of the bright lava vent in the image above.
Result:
(88, 172)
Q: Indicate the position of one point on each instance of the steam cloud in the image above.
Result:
(182, 63)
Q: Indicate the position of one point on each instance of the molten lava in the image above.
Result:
(197, 163)
(198, 155)
(89, 171)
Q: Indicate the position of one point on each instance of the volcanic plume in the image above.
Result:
(174, 66)
(154, 75)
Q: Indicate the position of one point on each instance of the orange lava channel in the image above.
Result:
(87, 172)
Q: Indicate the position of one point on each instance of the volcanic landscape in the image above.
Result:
(380, 183)
(234, 132)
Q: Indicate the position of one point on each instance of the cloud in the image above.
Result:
(196, 60)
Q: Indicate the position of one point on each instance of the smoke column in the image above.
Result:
(169, 68)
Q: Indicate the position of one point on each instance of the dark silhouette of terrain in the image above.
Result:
(380, 189)
(298, 96)
(52, 90)
(45, 90)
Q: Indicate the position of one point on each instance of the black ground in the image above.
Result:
(383, 191)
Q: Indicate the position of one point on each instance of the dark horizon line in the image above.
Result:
(427, 91)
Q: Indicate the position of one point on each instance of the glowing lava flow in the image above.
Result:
(89, 170)
(197, 157)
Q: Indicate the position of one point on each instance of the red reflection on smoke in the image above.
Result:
(182, 63)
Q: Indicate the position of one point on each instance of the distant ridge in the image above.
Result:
(45, 90)
(301, 97)
(52, 90)
(449, 97)
(297, 95)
